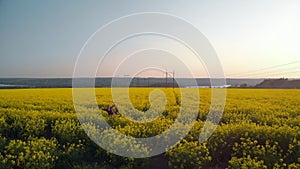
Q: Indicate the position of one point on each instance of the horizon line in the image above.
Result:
(37, 77)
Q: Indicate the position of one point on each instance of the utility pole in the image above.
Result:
(173, 78)
(166, 78)
(148, 82)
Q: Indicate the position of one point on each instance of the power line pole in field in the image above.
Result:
(166, 79)
(173, 78)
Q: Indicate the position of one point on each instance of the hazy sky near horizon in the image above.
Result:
(43, 38)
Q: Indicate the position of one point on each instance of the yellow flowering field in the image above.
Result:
(259, 128)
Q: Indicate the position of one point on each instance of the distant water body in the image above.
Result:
(7, 85)
(122, 82)
(12, 86)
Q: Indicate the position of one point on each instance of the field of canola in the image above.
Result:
(259, 129)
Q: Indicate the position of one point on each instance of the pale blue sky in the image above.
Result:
(43, 38)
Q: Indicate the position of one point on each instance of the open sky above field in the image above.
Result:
(252, 38)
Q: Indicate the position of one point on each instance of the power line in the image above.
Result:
(273, 71)
(285, 73)
(169, 74)
(266, 68)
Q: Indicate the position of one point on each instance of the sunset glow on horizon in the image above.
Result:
(253, 39)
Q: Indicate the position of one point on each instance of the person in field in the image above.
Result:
(110, 109)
